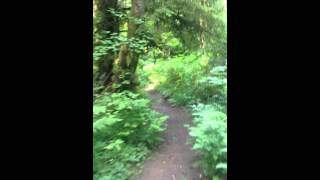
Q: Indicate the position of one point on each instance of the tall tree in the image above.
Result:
(127, 59)
(105, 21)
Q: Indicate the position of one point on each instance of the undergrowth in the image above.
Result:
(125, 129)
(187, 79)
(210, 134)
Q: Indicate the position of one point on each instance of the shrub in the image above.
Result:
(124, 129)
(216, 85)
(210, 134)
(187, 80)
(177, 77)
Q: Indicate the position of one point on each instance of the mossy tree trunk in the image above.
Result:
(116, 71)
(127, 61)
(105, 22)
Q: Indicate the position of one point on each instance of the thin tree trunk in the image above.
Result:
(203, 24)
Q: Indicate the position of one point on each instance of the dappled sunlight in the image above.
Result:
(149, 87)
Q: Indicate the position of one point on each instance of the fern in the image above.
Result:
(210, 134)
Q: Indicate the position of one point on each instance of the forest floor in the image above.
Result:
(173, 159)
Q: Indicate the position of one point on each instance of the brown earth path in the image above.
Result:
(174, 158)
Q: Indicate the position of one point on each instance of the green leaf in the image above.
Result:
(114, 145)
(221, 166)
(98, 109)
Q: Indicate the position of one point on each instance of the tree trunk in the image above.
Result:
(127, 60)
(203, 24)
(106, 22)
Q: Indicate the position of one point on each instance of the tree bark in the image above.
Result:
(106, 22)
(203, 24)
(128, 60)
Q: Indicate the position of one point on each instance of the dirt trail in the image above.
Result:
(174, 158)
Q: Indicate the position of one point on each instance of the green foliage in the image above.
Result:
(187, 79)
(124, 128)
(167, 46)
(111, 42)
(216, 82)
(118, 164)
(210, 134)
(174, 80)
(143, 75)
(117, 13)
(126, 115)
(182, 17)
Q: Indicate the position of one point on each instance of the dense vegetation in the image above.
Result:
(177, 47)
(124, 129)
